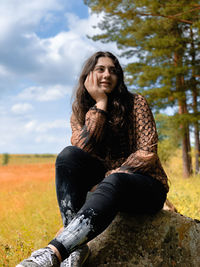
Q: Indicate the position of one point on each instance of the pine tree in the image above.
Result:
(194, 85)
(157, 35)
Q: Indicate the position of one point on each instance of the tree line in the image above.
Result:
(161, 40)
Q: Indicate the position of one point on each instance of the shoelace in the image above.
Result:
(75, 258)
(42, 257)
(70, 260)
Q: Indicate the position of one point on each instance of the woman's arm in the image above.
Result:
(90, 135)
(145, 156)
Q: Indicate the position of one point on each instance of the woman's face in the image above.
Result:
(106, 74)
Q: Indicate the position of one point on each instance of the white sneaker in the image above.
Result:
(77, 258)
(44, 257)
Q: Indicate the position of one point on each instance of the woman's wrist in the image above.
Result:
(102, 104)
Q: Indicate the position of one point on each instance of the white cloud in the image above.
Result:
(43, 127)
(46, 139)
(3, 71)
(30, 126)
(83, 27)
(21, 50)
(65, 53)
(49, 62)
(41, 93)
(21, 136)
(53, 60)
(24, 15)
(3, 110)
(21, 108)
(54, 134)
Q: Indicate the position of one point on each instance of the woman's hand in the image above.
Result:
(95, 91)
(93, 188)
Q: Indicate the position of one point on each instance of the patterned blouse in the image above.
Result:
(131, 149)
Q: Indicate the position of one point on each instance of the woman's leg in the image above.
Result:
(76, 173)
(135, 193)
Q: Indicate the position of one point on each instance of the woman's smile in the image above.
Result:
(105, 83)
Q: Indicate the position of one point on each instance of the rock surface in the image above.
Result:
(162, 240)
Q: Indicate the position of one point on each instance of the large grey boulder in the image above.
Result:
(165, 239)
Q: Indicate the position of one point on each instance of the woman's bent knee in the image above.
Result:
(114, 181)
(69, 152)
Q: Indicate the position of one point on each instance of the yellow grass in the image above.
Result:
(28, 158)
(184, 192)
(29, 214)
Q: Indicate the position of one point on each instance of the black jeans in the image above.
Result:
(76, 173)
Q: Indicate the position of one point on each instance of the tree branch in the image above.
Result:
(169, 17)
(174, 17)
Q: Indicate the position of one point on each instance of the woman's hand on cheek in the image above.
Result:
(91, 85)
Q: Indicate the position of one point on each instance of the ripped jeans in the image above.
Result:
(84, 218)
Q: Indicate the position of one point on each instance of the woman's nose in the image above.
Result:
(106, 73)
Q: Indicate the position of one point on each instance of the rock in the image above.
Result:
(162, 240)
(168, 205)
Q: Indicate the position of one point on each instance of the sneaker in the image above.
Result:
(77, 258)
(44, 257)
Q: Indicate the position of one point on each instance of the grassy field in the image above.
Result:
(184, 192)
(29, 215)
(19, 159)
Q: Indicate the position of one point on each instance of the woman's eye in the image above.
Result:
(113, 71)
(100, 69)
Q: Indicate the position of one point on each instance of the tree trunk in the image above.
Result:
(186, 154)
(186, 147)
(197, 148)
(184, 125)
(195, 105)
(196, 131)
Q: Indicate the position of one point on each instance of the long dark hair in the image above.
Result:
(118, 100)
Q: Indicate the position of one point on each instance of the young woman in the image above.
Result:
(113, 153)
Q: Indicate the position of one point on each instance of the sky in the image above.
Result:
(43, 45)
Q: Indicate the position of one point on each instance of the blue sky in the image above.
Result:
(43, 45)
